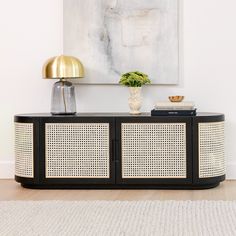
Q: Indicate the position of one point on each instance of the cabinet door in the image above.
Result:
(154, 150)
(78, 151)
(209, 153)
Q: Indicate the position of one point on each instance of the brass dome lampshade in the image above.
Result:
(63, 92)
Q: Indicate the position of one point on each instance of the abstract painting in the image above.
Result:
(112, 37)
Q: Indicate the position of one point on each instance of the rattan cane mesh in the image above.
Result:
(153, 150)
(77, 150)
(24, 150)
(211, 149)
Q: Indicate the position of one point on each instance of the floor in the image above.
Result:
(10, 190)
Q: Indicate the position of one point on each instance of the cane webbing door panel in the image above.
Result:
(154, 151)
(211, 149)
(77, 150)
(24, 150)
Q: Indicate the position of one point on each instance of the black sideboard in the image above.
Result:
(118, 150)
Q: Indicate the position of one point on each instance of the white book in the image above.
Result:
(174, 108)
(174, 105)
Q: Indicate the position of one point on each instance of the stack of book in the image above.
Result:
(174, 109)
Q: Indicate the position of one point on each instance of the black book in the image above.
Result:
(157, 112)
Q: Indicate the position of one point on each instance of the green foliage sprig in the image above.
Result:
(134, 79)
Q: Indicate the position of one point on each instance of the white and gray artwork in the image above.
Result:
(112, 37)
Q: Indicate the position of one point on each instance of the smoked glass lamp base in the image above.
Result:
(63, 98)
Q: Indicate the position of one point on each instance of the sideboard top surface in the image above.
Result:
(95, 117)
(82, 114)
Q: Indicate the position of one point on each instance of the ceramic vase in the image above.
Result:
(135, 100)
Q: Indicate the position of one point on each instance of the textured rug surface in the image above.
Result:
(108, 218)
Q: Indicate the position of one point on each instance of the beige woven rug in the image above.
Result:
(108, 218)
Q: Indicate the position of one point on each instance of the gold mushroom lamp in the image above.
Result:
(63, 93)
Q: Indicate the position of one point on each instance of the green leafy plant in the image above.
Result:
(134, 79)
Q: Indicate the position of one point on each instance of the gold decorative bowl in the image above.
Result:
(176, 98)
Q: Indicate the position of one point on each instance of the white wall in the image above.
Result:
(31, 31)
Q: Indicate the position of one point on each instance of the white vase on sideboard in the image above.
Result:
(135, 100)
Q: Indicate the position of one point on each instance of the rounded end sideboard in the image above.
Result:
(118, 150)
